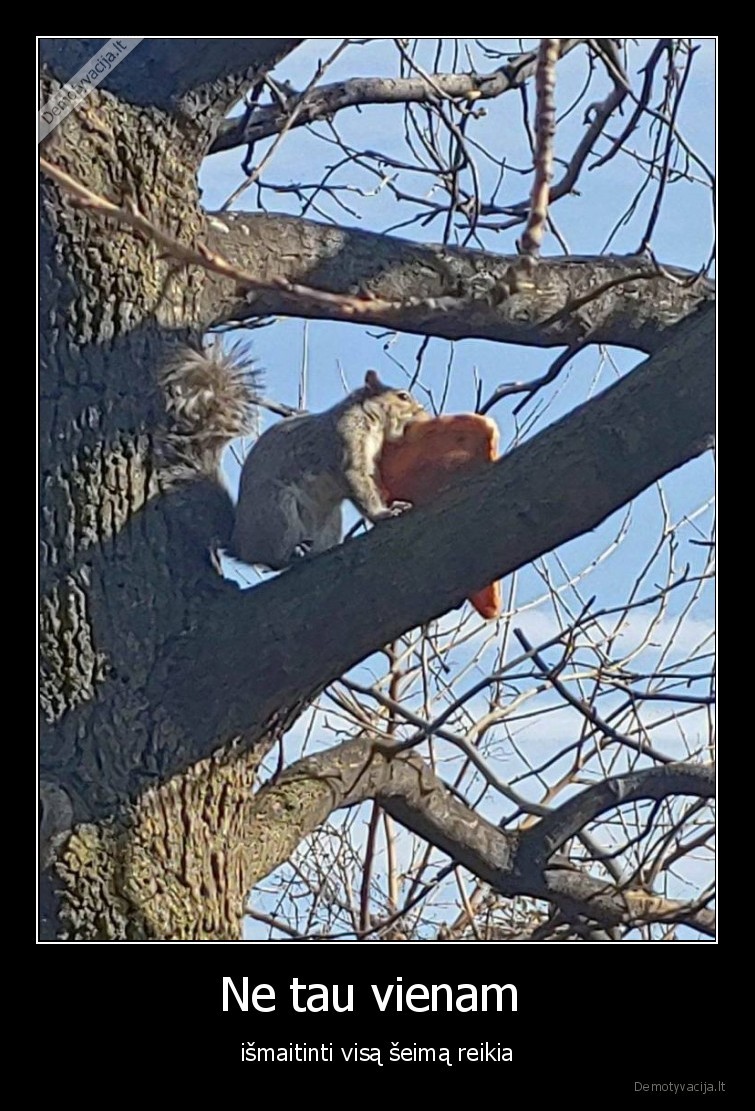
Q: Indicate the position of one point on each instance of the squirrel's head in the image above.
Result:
(395, 408)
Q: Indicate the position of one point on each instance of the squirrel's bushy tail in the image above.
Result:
(211, 398)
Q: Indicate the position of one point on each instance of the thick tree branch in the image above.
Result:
(314, 787)
(324, 102)
(559, 300)
(555, 829)
(443, 291)
(580, 896)
(576, 301)
(297, 803)
(200, 79)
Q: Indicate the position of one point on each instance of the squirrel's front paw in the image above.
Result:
(395, 509)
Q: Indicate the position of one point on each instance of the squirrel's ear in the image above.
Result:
(372, 382)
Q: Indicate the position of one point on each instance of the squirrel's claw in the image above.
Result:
(302, 550)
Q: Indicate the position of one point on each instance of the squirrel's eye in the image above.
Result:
(404, 396)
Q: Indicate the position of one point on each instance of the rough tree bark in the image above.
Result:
(162, 685)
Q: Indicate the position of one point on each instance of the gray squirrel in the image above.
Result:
(301, 469)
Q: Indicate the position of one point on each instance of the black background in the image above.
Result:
(588, 1015)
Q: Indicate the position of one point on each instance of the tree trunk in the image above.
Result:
(125, 563)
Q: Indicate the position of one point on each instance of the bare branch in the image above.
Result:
(532, 387)
(408, 790)
(642, 101)
(663, 172)
(545, 131)
(491, 296)
(588, 711)
(581, 896)
(446, 291)
(254, 174)
(325, 102)
(555, 829)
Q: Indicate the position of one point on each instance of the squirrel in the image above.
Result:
(301, 469)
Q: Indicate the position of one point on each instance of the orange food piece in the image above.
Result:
(429, 454)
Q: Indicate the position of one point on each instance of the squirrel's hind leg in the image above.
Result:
(329, 531)
(325, 534)
(269, 529)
